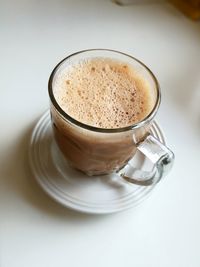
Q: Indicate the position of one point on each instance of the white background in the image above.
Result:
(35, 230)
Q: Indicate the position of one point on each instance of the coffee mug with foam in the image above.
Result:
(97, 150)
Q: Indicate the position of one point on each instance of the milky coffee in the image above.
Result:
(104, 93)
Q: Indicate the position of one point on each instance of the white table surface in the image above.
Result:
(35, 230)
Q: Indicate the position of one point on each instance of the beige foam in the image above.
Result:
(104, 93)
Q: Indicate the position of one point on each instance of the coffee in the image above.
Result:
(104, 93)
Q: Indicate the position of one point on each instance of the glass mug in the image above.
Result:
(99, 151)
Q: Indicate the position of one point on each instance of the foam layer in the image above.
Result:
(103, 92)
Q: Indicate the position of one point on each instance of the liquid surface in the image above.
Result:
(104, 93)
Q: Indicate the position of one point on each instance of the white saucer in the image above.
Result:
(73, 189)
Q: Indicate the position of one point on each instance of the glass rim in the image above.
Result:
(67, 117)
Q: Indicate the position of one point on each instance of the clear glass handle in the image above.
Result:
(161, 157)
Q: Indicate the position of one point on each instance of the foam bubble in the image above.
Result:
(103, 92)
